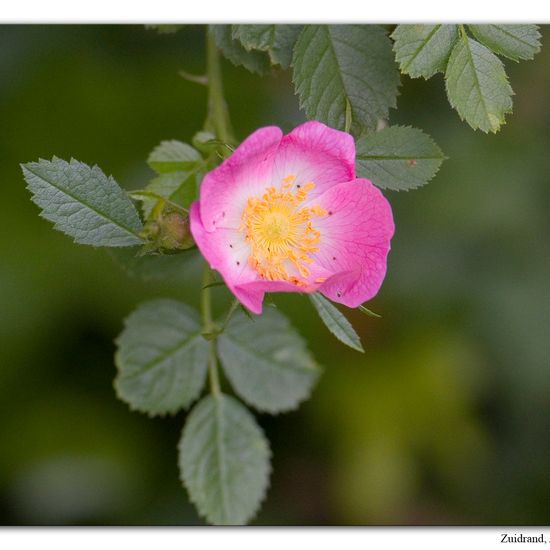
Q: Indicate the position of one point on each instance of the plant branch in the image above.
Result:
(232, 309)
(209, 328)
(217, 120)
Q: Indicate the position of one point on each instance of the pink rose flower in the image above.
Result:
(287, 214)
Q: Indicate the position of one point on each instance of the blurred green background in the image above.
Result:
(444, 420)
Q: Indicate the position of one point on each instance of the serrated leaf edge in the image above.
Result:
(201, 512)
(315, 369)
(498, 52)
(405, 70)
(302, 101)
(25, 168)
(319, 304)
(159, 413)
(502, 121)
(442, 158)
(313, 366)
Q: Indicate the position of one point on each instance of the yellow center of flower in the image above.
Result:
(280, 232)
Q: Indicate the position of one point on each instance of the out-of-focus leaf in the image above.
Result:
(205, 141)
(178, 166)
(156, 267)
(173, 156)
(254, 61)
(165, 29)
(179, 188)
(277, 40)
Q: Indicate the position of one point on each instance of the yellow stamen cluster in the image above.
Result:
(281, 233)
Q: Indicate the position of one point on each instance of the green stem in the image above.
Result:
(213, 370)
(218, 115)
(232, 310)
(218, 122)
(208, 327)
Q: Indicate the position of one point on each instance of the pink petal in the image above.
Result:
(226, 251)
(355, 241)
(351, 263)
(246, 173)
(314, 152)
(251, 298)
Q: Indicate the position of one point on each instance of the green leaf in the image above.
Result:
(266, 361)
(477, 85)
(513, 41)
(205, 141)
(277, 40)
(173, 156)
(335, 64)
(177, 165)
(178, 187)
(83, 202)
(368, 312)
(423, 50)
(336, 322)
(254, 61)
(161, 358)
(173, 268)
(224, 460)
(398, 158)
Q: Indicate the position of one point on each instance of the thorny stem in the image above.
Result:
(208, 327)
(232, 310)
(218, 122)
(218, 115)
